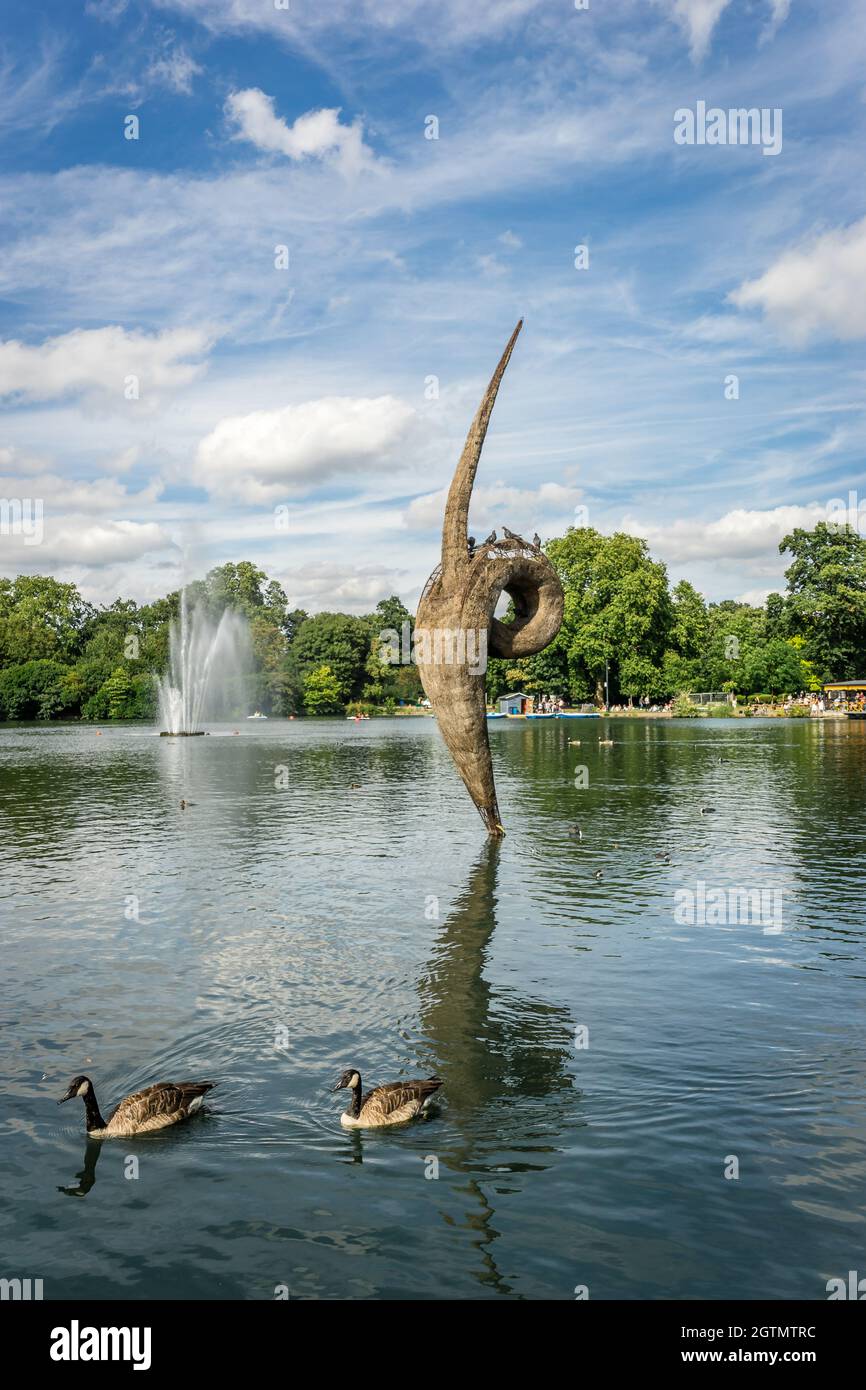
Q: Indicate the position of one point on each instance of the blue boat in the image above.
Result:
(491, 714)
(541, 716)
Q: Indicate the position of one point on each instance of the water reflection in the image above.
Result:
(491, 1042)
(502, 1055)
(87, 1176)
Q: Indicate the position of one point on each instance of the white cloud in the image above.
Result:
(78, 495)
(107, 10)
(779, 11)
(698, 18)
(815, 290)
(738, 535)
(349, 588)
(176, 70)
(261, 456)
(455, 21)
(511, 240)
(497, 505)
(99, 361)
(78, 540)
(315, 135)
(756, 597)
(490, 265)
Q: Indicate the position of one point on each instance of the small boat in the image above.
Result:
(257, 715)
(591, 714)
(494, 714)
(541, 716)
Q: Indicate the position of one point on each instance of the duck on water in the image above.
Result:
(391, 1104)
(144, 1112)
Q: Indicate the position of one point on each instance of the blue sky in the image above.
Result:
(177, 399)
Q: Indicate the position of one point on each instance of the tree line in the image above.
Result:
(64, 658)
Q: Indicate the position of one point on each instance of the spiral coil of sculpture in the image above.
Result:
(455, 623)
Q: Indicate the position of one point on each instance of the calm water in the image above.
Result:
(284, 934)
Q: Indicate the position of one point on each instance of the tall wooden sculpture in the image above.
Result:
(455, 628)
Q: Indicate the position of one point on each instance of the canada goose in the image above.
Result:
(575, 830)
(599, 873)
(707, 810)
(391, 1104)
(154, 1108)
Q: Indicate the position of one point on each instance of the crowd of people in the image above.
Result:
(817, 704)
(548, 704)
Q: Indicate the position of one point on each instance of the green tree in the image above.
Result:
(826, 598)
(339, 641)
(32, 690)
(119, 694)
(322, 692)
(40, 617)
(392, 629)
(775, 668)
(617, 611)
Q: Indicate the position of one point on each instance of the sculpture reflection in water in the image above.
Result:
(500, 1052)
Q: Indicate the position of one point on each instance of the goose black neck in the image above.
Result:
(355, 1107)
(91, 1109)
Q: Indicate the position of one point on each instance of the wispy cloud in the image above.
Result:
(175, 69)
(698, 18)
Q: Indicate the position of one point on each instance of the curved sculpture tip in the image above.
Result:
(455, 529)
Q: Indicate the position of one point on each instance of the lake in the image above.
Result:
(653, 1089)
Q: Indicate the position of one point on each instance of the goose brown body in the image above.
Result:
(391, 1104)
(144, 1112)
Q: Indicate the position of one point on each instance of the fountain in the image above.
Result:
(204, 657)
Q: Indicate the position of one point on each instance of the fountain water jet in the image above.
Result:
(203, 656)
